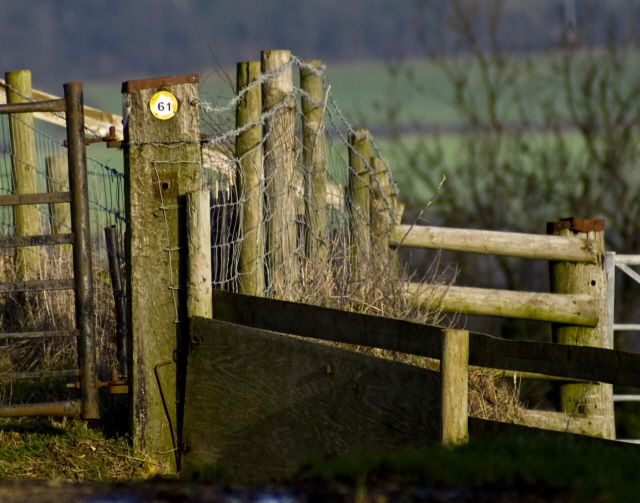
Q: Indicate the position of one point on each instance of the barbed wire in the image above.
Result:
(334, 129)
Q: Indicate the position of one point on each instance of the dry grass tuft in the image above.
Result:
(379, 289)
(47, 311)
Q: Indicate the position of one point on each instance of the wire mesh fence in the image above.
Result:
(47, 171)
(320, 188)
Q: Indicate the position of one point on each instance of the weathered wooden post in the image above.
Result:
(280, 173)
(162, 164)
(58, 181)
(199, 286)
(23, 161)
(250, 179)
(314, 159)
(381, 209)
(57, 168)
(591, 399)
(454, 372)
(359, 197)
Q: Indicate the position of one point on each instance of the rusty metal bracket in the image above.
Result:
(576, 225)
(111, 139)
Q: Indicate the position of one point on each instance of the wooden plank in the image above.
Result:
(261, 403)
(328, 324)
(571, 309)
(531, 246)
(558, 360)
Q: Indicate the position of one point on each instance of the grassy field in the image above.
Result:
(554, 468)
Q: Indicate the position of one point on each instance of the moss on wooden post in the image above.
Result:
(589, 399)
(359, 197)
(162, 164)
(23, 161)
(454, 370)
(314, 159)
(280, 174)
(250, 179)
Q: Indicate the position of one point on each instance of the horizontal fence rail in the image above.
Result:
(577, 309)
(530, 246)
(558, 360)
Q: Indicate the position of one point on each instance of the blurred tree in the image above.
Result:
(540, 134)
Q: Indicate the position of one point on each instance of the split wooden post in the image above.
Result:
(57, 168)
(381, 208)
(454, 370)
(162, 164)
(588, 399)
(23, 161)
(199, 285)
(359, 197)
(58, 181)
(250, 178)
(314, 159)
(280, 173)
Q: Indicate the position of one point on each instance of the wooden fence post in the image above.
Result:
(359, 197)
(58, 181)
(250, 179)
(23, 161)
(580, 278)
(199, 286)
(454, 370)
(381, 209)
(280, 174)
(162, 164)
(60, 214)
(315, 169)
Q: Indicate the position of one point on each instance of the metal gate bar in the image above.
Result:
(82, 283)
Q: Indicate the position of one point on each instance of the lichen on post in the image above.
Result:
(584, 399)
(162, 164)
(281, 177)
(250, 178)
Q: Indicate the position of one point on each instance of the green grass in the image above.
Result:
(43, 448)
(582, 469)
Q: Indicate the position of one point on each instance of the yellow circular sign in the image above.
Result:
(163, 105)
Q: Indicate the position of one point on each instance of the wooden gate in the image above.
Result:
(80, 240)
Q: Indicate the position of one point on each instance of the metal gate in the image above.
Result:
(80, 240)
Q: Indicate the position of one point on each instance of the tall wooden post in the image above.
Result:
(578, 278)
(280, 174)
(359, 199)
(315, 169)
(250, 179)
(23, 160)
(162, 164)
